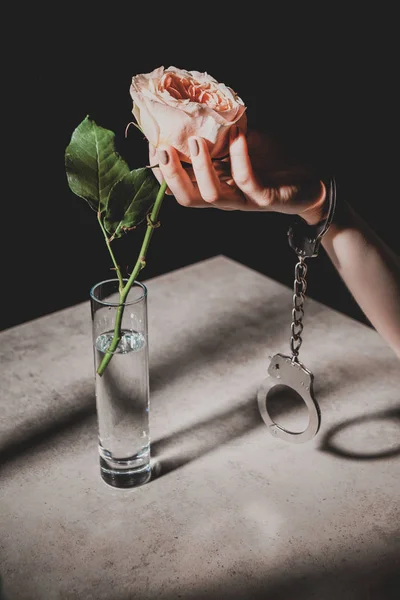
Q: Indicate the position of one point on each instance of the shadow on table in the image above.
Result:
(200, 438)
(368, 437)
(368, 580)
(3, 595)
(343, 440)
(187, 444)
(210, 343)
(229, 333)
(218, 429)
(43, 432)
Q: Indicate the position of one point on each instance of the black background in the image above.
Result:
(325, 80)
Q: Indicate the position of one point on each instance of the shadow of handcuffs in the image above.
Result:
(288, 370)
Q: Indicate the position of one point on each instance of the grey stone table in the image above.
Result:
(231, 511)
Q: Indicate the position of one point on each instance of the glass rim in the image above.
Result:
(116, 280)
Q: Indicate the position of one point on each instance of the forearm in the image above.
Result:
(370, 270)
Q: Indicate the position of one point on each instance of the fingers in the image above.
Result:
(176, 176)
(207, 180)
(242, 171)
(213, 179)
(231, 185)
(204, 191)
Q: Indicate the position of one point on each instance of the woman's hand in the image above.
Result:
(257, 175)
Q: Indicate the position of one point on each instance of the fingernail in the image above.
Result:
(194, 146)
(234, 132)
(163, 157)
(152, 149)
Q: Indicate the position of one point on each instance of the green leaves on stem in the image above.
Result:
(122, 198)
(99, 175)
(140, 263)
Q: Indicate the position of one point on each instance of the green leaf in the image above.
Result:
(129, 201)
(92, 164)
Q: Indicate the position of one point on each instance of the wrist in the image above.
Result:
(318, 210)
(312, 224)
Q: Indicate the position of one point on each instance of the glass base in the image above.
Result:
(124, 477)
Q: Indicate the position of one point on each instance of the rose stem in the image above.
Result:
(140, 264)
(117, 269)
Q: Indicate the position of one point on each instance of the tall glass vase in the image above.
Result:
(122, 388)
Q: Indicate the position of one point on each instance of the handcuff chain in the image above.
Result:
(305, 241)
(299, 289)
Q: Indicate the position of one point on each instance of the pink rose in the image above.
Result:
(170, 105)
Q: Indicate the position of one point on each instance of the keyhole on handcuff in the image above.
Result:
(287, 408)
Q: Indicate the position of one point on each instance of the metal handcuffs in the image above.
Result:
(288, 370)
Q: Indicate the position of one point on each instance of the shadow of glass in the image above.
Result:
(185, 445)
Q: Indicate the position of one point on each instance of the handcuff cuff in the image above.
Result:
(285, 370)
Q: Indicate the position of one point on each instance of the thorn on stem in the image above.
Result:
(151, 223)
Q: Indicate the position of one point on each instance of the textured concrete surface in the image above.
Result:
(231, 512)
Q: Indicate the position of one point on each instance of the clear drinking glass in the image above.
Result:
(122, 391)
